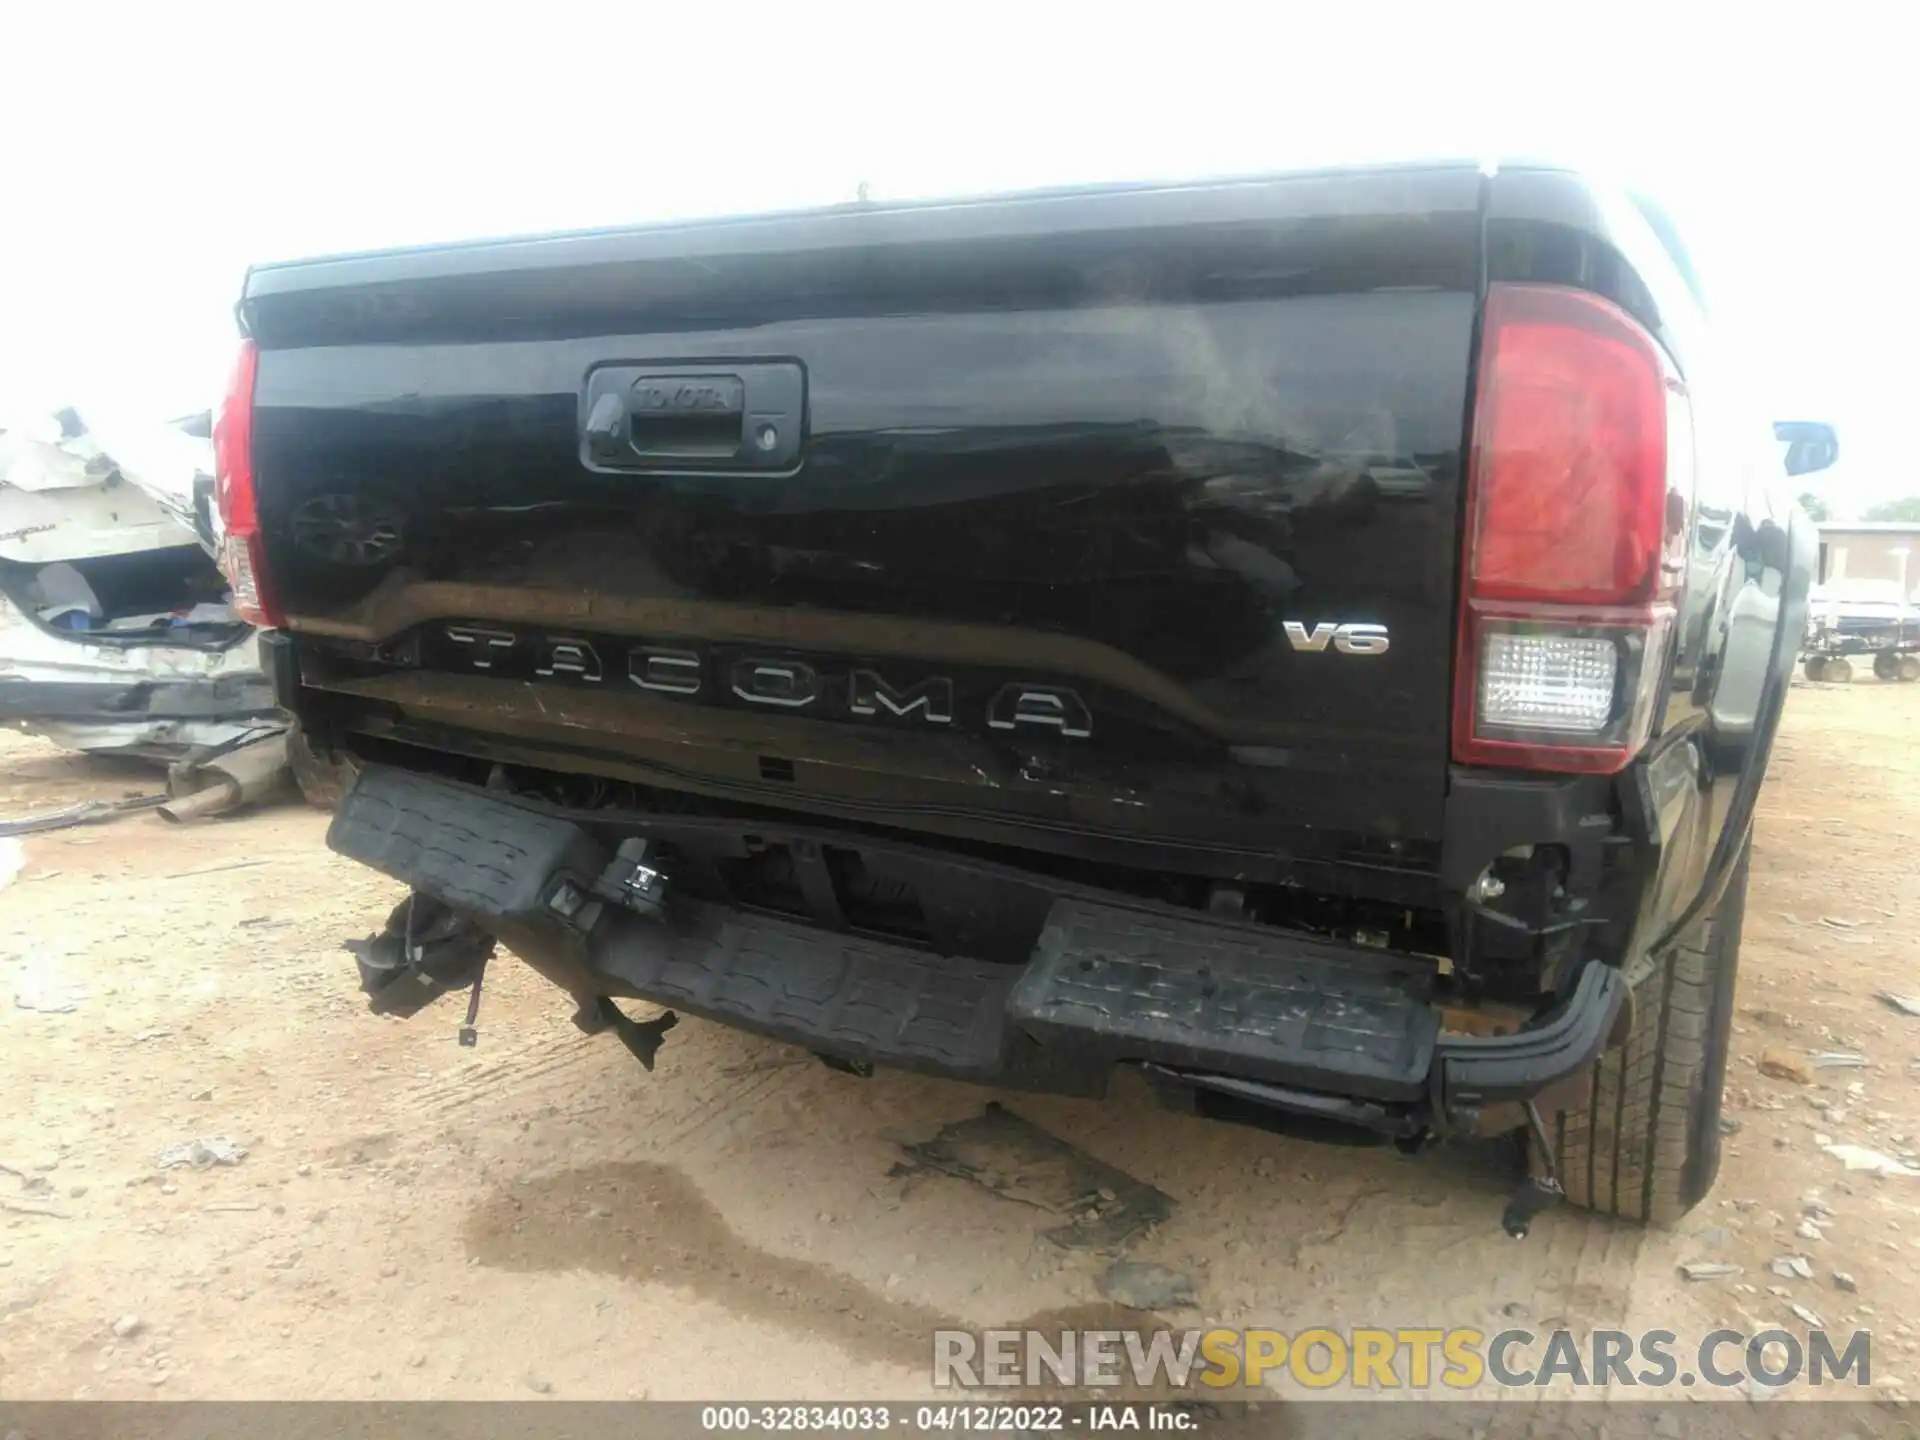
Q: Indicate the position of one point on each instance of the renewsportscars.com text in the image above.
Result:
(1415, 1358)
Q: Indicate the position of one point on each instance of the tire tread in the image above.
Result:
(1639, 1148)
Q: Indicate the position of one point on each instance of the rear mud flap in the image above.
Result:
(424, 951)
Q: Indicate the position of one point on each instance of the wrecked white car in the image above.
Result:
(115, 630)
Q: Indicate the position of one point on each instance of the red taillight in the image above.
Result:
(243, 553)
(1577, 493)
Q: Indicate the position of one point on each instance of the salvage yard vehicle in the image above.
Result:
(1851, 618)
(1313, 642)
(115, 631)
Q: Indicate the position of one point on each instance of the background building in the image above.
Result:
(1871, 550)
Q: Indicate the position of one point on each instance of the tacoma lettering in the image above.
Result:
(777, 682)
(933, 698)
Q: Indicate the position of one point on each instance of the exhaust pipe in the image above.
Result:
(204, 788)
(215, 799)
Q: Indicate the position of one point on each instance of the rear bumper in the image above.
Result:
(108, 701)
(161, 720)
(1204, 1006)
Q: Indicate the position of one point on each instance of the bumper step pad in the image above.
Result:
(1198, 994)
(843, 995)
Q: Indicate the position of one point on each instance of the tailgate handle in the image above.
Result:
(688, 415)
(707, 417)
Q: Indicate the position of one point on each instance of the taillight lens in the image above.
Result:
(242, 551)
(1577, 493)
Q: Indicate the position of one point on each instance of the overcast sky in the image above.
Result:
(149, 155)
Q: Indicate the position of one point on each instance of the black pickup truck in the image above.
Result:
(1312, 641)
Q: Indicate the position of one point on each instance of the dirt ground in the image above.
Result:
(540, 1216)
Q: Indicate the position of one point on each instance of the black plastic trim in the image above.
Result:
(1476, 1070)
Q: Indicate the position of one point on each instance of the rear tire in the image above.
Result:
(1909, 669)
(1837, 671)
(1886, 665)
(1646, 1144)
(1815, 669)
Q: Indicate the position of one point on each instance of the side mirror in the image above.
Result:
(1810, 445)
